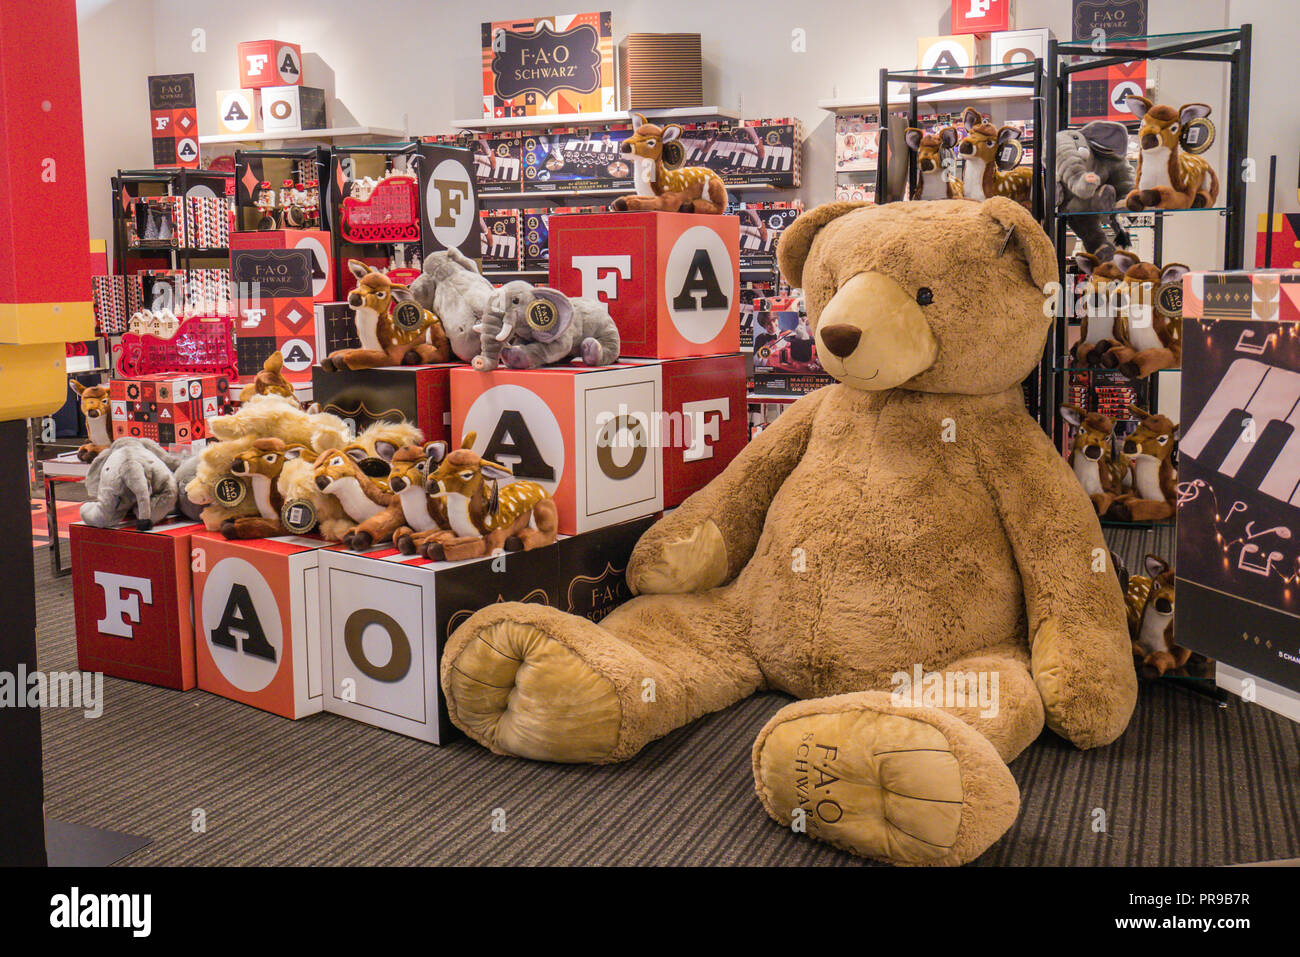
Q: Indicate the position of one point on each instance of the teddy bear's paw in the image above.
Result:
(517, 689)
(902, 785)
(695, 563)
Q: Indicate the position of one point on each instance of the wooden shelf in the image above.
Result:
(275, 136)
(594, 119)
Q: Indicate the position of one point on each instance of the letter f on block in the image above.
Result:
(122, 597)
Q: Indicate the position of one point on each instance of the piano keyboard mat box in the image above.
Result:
(1238, 551)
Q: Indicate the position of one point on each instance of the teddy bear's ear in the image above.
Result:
(797, 239)
(1026, 236)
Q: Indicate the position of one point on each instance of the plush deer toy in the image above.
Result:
(1168, 177)
(385, 342)
(934, 163)
(424, 512)
(482, 514)
(982, 178)
(364, 499)
(655, 152)
(1091, 456)
(94, 406)
(1097, 317)
(269, 380)
(261, 465)
(1150, 602)
(1151, 448)
(1148, 337)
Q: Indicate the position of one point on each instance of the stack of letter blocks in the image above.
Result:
(172, 410)
(298, 625)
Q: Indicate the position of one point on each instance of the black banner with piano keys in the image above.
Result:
(1238, 555)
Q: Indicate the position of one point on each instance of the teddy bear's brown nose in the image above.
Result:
(841, 339)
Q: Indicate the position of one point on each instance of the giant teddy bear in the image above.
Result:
(911, 517)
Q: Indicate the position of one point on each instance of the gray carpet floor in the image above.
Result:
(1189, 783)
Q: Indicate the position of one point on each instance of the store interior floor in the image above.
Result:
(1189, 783)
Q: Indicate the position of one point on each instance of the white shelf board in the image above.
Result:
(852, 104)
(616, 191)
(594, 119)
(275, 136)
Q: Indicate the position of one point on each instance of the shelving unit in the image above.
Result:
(1065, 59)
(487, 123)
(279, 136)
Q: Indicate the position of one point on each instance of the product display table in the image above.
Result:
(61, 468)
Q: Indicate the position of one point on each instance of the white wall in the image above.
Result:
(418, 61)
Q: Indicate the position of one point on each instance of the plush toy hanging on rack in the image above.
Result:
(393, 328)
(1170, 174)
(936, 165)
(657, 154)
(528, 326)
(1151, 449)
(1093, 175)
(1092, 458)
(992, 157)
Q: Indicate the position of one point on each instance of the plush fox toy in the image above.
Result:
(1168, 177)
(1092, 457)
(934, 163)
(982, 179)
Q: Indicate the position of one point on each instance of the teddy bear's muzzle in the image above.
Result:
(873, 334)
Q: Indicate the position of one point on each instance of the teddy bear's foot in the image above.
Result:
(514, 686)
(906, 785)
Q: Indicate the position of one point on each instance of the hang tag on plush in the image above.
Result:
(1197, 135)
(298, 516)
(408, 316)
(541, 315)
(1169, 299)
(1009, 153)
(673, 155)
(229, 491)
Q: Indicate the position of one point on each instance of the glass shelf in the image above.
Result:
(1080, 53)
(1221, 210)
(984, 76)
(1116, 523)
(1105, 369)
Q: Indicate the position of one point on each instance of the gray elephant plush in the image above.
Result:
(527, 326)
(131, 476)
(452, 288)
(1093, 173)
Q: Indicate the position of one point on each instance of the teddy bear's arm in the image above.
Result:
(710, 537)
(1078, 631)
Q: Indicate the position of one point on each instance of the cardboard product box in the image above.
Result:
(286, 108)
(790, 384)
(1014, 47)
(174, 411)
(587, 434)
(857, 141)
(448, 200)
(335, 328)
(982, 17)
(576, 159)
(386, 617)
(131, 599)
(761, 225)
(499, 238)
(758, 152)
(264, 63)
(498, 163)
(535, 236)
(702, 425)
(671, 280)
(419, 394)
(1238, 554)
(948, 55)
(239, 111)
(257, 625)
(278, 277)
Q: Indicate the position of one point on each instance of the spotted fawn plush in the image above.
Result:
(1150, 602)
(982, 179)
(661, 187)
(1167, 176)
(935, 164)
(1151, 449)
(1092, 456)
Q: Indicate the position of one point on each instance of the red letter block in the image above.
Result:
(257, 624)
(269, 63)
(131, 592)
(671, 280)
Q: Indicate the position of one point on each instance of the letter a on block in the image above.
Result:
(240, 616)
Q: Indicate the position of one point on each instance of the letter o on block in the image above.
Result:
(354, 629)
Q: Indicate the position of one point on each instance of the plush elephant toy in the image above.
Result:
(452, 288)
(1093, 173)
(131, 476)
(888, 546)
(527, 326)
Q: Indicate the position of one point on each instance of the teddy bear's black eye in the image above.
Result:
(924, 296)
